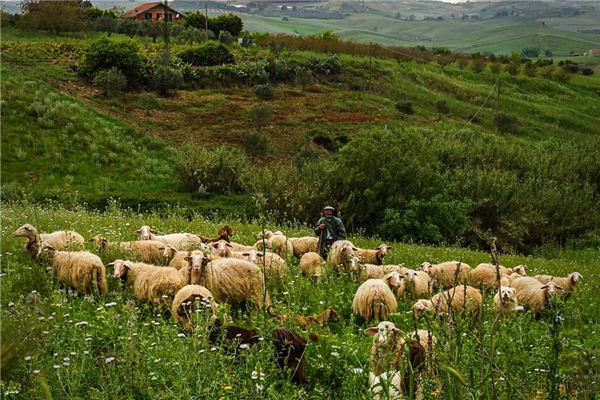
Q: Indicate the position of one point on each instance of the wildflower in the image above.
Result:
(357, 371)
(81, 323)
(335, 354)
(27, 358)
(201, 351)
(108, 360)
(110, 304)
(66, 364)
(66, 359)
(56, 366)
(244, 346)
(259, 388)
(228, 388)
(213, 348)
(36, 371)
(181, 335)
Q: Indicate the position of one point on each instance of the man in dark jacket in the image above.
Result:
(329, 229)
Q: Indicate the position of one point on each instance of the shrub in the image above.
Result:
(255, 144)
(211, 170)
(225, 37)
(147, 101)
(209, 53)
(530, 69)
(548, 72)
(110, 80)
(106, 54)
(229, 23)
(129, 27)
(166, 78)
(442, 107)
(462, 62)
(587, 71)
(531, 52)
(279, 70)
(478, 64)
(514, 65)
(247, 73)
(303, 77)
(264, 92)
(330, 65)
(306, 156)
(495, 67)
(405, 107)
(191, 35)
(260, 115)
(505, 123)
(562, 75)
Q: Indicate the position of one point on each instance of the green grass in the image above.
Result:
(117, 347)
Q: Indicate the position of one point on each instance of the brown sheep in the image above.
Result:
(374, 299)
(373, 256)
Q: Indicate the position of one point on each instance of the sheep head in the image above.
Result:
(385, 333)
(146, 232)
(382, 251)
(26, 230)
(575, 277)
(520, 269)
(221, 247)
(253, 256)
(99, 242)
(168, 253)
(332, 315)
(121, 268)
(426, 266)
(45, 249)
(197, 261)
(423, 306)
(392, 279)
(550, 289)
(264, 235)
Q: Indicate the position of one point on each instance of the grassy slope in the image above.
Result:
(70, 341)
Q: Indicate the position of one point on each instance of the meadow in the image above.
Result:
(59, 345)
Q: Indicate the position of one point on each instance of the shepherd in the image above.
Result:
(329, 229)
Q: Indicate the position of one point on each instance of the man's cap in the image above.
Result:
(328, 208)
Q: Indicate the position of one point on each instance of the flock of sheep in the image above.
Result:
(188, 273)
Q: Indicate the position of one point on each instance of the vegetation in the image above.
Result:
(106, 54)
(110, 80)
(209, 53)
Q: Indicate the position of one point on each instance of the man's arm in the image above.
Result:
(341, 229)
(318, 228)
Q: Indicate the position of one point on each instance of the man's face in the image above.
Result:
(328, 213)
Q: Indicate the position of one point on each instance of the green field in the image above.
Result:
(61, 346)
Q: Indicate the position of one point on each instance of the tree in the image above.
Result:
(405, 107)
(255, 144)
(260, 115)
(129, 27)
(462, 62)
(110, 80)
(197, 20)
(303, 77)
(191, 35)
(531, 52)
(530, 69)
(105, 54)
(54, 16)
(106, 23)
(548, 53)
(264, 92)
(151, 29)
(227, 22)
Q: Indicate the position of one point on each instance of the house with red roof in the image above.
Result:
(154, 12)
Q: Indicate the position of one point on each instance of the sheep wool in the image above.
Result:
(303, 245)
(533, 294)
(372, 271)
(374, 256)
(58, 240)
(189, 299)
(484, 276)
(311, 264)
(181, 241)
(458, 299)
(272, 264)
(341, 254)
(447, 274)
(374, 299)
(567, 283)
(414, 285)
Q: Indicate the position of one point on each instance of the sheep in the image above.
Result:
(182, 241)
(222, 248)
(320, 319)
(374, 299)
(484, 276)
(414, 285)
(80, 270)
(241, 247)
(371, 271)
(58, 240)
(458, 299)
(533, 294)
(149, 282)
(566, 283)
(273, 264)
(184, 304)
(341, 254)
(303, 245)
(447, 274)
(148, 251)
(373, 256)
(281, 246)
(224, 233)
(231, 280)
(178, 258)
(505, 301)
(311, 264)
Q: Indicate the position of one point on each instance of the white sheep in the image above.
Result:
(372, 271)
(280, 245)
(447, 274)
(221, 248)
(151, 283)
(533, 294)
(484, 276)
(241, 247)
(178, 258)
(311, 264)
(374, 256)
(341, 254)
(181, 241)
(374, 299)
(567, 283)
(80, 270)
(505, 302)
(58, 240)
(272, 263)
(414, 285)
(303, 245)
(186, 303)
(148, 251)
(458, 299)
(232, 281)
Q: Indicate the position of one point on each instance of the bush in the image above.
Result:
(191, 35)
(495, 67)
(303, 77)
(255, 144)
(530, 69)
(478, 64)
(587, 71)
(405, 107)
(264, 92)
(330, 65)
(462, 62)
(211, 170)
(210, 53)
(432, 221)
(260, 115)
(306, 156)
(110, 80)
(279, 70)
(166, 78)
(505, 123)
(229, 23)
(225, 37)
(562, 75)
(105, 54)
(442, 107)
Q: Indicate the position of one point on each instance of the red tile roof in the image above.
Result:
(145, 7)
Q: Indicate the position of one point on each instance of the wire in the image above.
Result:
(481, 106)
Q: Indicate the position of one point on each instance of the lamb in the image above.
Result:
(505, 302)
(533, 294)
(458, 299)
(447, 274)
(341, 254)
(281, 246)
(385, 361)
(568, 283)
(185, 304)
(149, 282)
(224, 233)
(311, 264)
(148, 251)
(484, 276)
(273, 264)
(320, 319)
(231, 280)
(414, 285)
(370, 271)
(182, 241)
(374, 299)
(80, 270)
(58, 240)
(373, 256)
(303, 245)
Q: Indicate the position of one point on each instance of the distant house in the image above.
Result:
(154, 12)
(592, 52)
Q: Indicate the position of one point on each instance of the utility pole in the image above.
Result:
(370, 55)
(206, 18)
(166, 33)
(497, 96)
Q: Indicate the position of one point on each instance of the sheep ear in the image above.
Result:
(229, 245)
(110, 264)
(137, 231)
(152, 230)
(127, 266)
(215, 244)
(544, 287)
(246, 254)
(371, 331)
(161, 247)
(559, 288)
(354, 248)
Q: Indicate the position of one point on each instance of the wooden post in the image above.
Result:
(497, 96)
(206, 19)
(166, 33)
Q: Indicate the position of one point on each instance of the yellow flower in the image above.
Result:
(436, 393)
(228, 388)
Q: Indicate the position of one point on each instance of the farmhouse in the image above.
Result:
(153, 12)
(592, 52)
